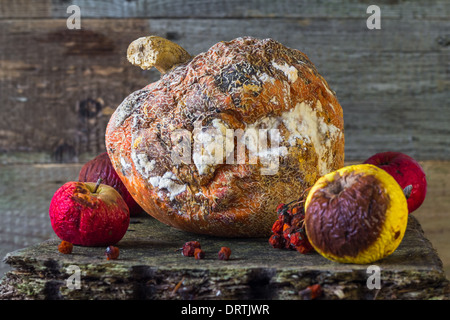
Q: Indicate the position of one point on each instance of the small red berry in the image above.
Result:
(65, 247)
(189, 247)
(296, 239)
(311, 292)
(224, 253)
(304, 247)
(286, 226)
(111, 253)
(287, 230)
(276, 241)
(199, 254)
(277, 227)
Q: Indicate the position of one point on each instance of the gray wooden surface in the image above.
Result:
(150, 267)
(393, 83)
(25, 195)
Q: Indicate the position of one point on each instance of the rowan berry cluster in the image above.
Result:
(289, 230)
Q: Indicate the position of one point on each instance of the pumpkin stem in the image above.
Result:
(153, 51)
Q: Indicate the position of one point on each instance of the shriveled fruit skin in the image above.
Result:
(101, 167)
(242, 84)
(357, 214)
(81, 219)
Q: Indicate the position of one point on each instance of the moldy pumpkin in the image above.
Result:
(243, 84)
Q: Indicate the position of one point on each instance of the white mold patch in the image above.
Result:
(169, 182)
(142, 163)
(264, 77)
(126, 167)
(211, 145)
(304, 124)
(290, 71)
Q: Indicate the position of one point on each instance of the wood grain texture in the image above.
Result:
(59, 86)
(54, 78)
(435, 9)
(150, 266)
(433, 214)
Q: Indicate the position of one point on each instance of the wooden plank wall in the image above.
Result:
(58, 87)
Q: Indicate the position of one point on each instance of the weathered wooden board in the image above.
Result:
(25, 221)
(435, 9)
(150, 267)
(59, 86)
(433, 214)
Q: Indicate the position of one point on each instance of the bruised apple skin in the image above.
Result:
(85, 214)
(246, 84)
(101, 167)
(406, 171)
(357, 214)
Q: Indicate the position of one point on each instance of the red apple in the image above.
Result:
(101, 167)
(89, 214)
(406, 171)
